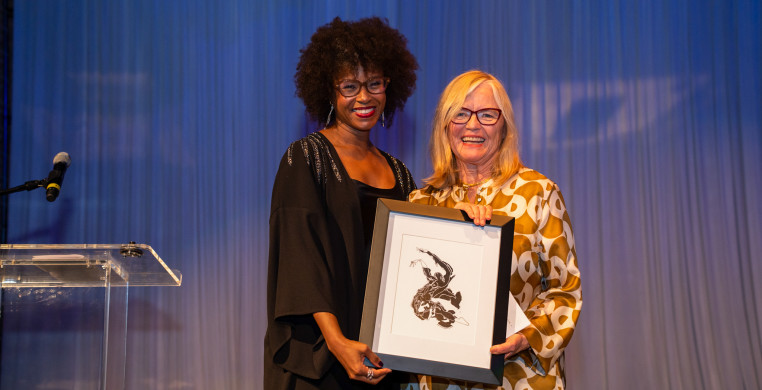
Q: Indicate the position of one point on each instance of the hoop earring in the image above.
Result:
(328, 120)
(383, 120)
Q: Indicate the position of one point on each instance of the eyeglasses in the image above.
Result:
(350, 88)
(485, 116)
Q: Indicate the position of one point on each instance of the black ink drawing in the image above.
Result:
(429, 300)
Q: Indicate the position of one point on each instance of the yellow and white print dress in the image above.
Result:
(545, 279)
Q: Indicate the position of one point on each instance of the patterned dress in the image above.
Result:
(545, 279)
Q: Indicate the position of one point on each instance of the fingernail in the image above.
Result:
(380, 363)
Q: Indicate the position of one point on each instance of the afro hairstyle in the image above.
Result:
(341, 46)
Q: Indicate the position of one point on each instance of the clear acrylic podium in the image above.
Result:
(64, 312)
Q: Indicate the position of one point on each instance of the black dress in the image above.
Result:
(318, 261)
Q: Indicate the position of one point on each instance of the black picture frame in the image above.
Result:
(415, 338)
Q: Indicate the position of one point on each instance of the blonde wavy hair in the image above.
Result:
(507, 162)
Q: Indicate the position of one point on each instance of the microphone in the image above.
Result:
(60, 162)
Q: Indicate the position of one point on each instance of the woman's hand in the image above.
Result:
(514, 344)
(350, 353)
(479, 213)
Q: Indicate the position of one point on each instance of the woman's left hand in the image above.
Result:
(479, 213)
(514, 344)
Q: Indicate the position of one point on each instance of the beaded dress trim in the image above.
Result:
(315, 146)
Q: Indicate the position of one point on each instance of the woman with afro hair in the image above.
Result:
(351, 76)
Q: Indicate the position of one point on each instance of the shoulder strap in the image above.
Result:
(401, 173)
(317, 155)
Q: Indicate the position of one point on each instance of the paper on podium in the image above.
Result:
(517, 320)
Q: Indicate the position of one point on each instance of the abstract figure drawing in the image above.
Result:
(430, 300)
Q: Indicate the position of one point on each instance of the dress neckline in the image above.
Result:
(397, 180)
(369, 187)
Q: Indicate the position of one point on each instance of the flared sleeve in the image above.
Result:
(300, 277)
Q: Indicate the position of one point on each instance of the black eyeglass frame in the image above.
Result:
(499, 114)
(386, 81)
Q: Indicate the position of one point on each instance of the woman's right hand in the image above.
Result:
(350, 353)
(479, 213)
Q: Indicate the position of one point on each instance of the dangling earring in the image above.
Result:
(383, 120)
(327, 121)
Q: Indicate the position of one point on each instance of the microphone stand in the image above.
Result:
(28, 186)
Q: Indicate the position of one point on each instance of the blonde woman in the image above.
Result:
(477, 168)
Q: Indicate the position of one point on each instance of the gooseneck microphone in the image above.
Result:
(53, 183)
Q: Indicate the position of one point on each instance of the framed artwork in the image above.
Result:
(437, 292)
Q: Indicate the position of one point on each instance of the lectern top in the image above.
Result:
(83, 265)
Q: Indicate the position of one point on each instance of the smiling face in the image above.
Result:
(362, 111)
(472, 143)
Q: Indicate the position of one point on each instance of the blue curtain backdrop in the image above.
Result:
(176, 114)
